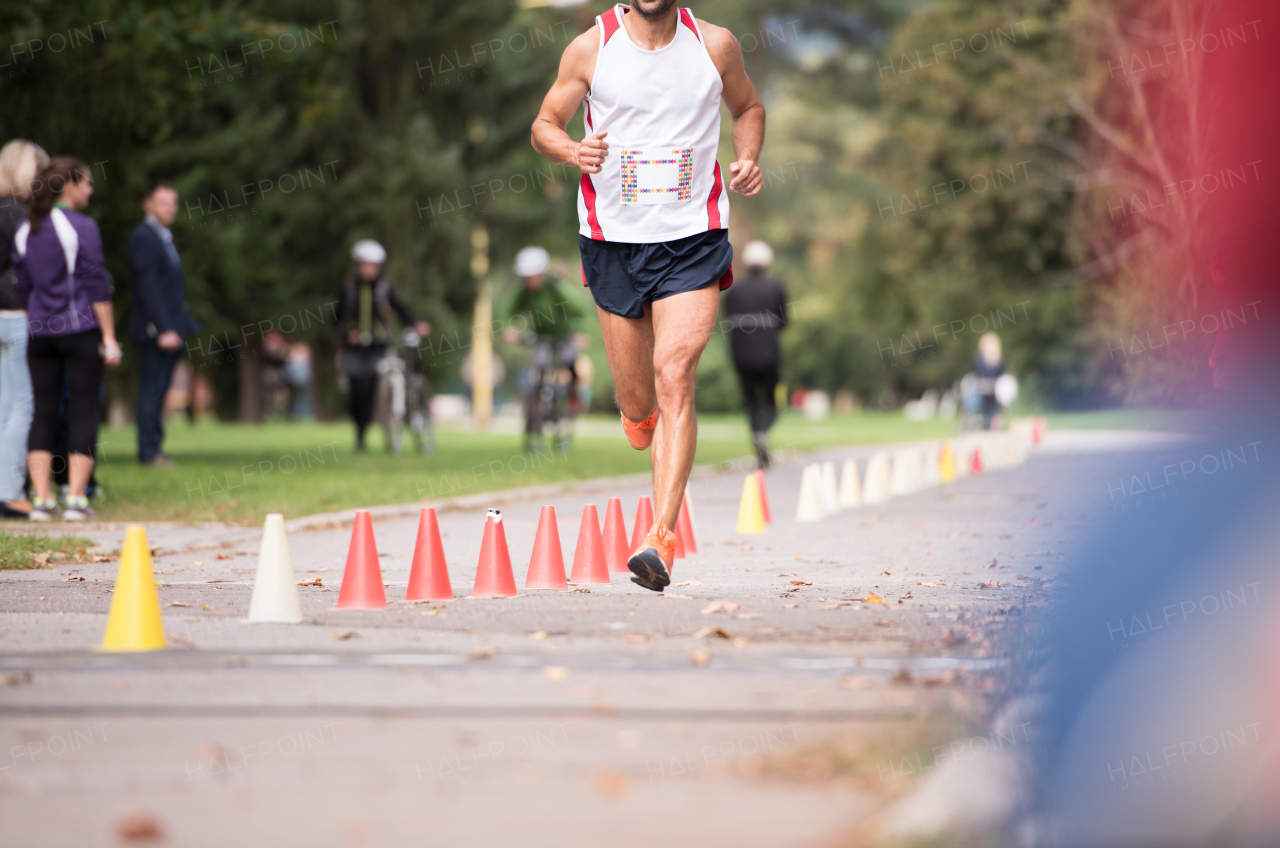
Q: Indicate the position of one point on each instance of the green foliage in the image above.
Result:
(34, 550)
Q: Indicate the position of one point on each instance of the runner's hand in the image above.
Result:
(592, 153)
(746, 178)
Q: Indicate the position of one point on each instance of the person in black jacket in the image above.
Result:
(757, 309)
(159, 322)
(365, 305)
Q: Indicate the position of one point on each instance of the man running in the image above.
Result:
(653, 218)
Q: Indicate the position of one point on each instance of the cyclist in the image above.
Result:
(364, 312)
(541, 313)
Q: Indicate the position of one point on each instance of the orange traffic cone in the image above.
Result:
(362, 579)
(589, 565)
(976, 468)
(494, 578)
(644, 522)
(684, 527)
(615, 538)
(429, 574)
(546, 566)
(764, 496)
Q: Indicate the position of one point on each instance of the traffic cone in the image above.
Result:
(684, 527)
(876, 488)
(764, 496)
(750, 509)
(644, 522)
(494, 578)
(615, 538)
(850, 491)
(362, 579)
(1038, 426)
(134, 623)
(429, 573)
(976, 467)
(830, 489)
(929, 466)
(589, 565)
(899, 480)
(275, 590)
(809, 507)
(946, 464)
(546, 566)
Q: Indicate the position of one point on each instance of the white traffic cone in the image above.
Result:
(275, 590)
(850, 491)
(900, 479)
(830, 489)
(809, 507)
(876, 487)
(929, 466)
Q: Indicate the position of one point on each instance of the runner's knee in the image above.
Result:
(675, 380)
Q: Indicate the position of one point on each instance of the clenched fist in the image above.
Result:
(592, 153)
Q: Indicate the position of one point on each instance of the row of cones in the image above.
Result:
(135, 623)
(913, 468)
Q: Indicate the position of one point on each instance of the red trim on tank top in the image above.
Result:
(713, 202)
(610, 23)
(589, 197)
(687, 18)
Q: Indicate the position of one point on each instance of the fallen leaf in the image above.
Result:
(73, 580)
(788, 574)
(179, 604)
(873, 598)
(138, 827)
(637, 638)
(677, 596)
(932, 585)
(906, 597)
(992, 565)
(344, 635)
(17, 678)
(736, 641)
(747, 616)
(102, 558)
(221, 556)
(324, 569)
(42, 559)
(539, 636)
(482, 653)
(954, 607)
(206, 606)
(720, 606)
(314, 582)
(991, 584)
(700, 657)
(690, 583)
(197, 562)
(610, 783)
(555, 673)
(435, 611)
(178, 640)
(836, 605)
(790, 606)
(581, 590)
(748, 547)
(82, 550)
(883, 622)
(801, 583)
(886, 573)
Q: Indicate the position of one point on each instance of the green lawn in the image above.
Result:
(238, 473)
(34, 550)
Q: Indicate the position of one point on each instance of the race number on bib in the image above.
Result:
(657, 175)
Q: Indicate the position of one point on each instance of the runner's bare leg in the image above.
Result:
(628, 345)
(682, 325)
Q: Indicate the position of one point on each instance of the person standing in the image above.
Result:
(20, 161)
(757, 309)
(159, 320)
(61, 282)
(653, 219)
(365, 304)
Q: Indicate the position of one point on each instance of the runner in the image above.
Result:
(653, 218)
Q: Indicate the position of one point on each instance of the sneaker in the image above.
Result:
(160, 460)
(640, 435)
(44, 510)
(77, 509)
(651, 562)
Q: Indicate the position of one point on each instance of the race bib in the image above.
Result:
(657, 175)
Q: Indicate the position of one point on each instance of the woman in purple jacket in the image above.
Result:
(61, 281)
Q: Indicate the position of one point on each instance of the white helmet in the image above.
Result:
(368, 250)
(757, 254)
(531, 262)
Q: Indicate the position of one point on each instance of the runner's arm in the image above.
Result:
(745, 107)
(548, 134)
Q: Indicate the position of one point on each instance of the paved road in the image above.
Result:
(550, 718)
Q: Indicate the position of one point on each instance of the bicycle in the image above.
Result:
(551, 405)
(404, 397)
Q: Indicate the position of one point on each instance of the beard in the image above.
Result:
(652, 9)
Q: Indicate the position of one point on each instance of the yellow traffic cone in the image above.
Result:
(946, 464)
(751, 510)
(134, 623)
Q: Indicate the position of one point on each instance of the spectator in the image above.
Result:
(988, 365)
(61, 281)
(757, 309)
(20, 161)
(365, 305)
(159, 320)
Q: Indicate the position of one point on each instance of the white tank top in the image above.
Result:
(661, 108)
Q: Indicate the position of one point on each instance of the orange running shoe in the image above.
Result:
(651, 562)
(640, 435)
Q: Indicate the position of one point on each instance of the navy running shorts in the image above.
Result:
(624, 277)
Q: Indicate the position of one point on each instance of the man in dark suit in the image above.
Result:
(159, 321)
